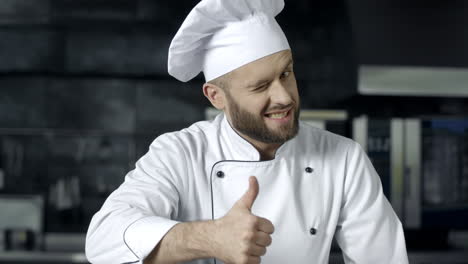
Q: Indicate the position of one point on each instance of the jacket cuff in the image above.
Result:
(142, 236)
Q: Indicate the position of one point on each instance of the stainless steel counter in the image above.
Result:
(20, 257)
(13, 257)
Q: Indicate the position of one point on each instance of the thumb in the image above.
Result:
(249, 197)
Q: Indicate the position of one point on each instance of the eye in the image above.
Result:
(285, 74)
(261, 87)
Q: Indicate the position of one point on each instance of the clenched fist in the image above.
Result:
(240, 236)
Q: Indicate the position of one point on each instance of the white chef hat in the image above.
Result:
(219, 36)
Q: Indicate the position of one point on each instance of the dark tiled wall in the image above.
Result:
(84, 89)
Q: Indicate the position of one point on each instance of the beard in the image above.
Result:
(255, 127)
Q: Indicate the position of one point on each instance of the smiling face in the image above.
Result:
(261, 101)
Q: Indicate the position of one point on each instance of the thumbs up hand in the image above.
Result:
(248, 199)
(241, 236)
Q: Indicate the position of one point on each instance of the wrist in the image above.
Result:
(203, 239)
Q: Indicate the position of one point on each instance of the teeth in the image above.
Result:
(278, 115)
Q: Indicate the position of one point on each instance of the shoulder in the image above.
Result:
(324, 140)
(333, 147)
(192, 138)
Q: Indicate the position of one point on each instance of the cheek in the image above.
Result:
(254, 108)
(293, 89)
(296, 94)
(252, 104)
(258, 105)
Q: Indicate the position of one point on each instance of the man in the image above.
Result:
(254, 185)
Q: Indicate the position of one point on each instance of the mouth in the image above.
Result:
(283, 115)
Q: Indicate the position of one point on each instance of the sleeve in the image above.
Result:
(137, 215)
(368, 230)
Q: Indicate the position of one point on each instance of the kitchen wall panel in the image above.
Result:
(23, 102)
(91, 104)
(84, 90)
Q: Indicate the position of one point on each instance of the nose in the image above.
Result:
(279, 94)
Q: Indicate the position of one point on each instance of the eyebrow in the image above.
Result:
(264, 81)
(290, 62)
(257, 83)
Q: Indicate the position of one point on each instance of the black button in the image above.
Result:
(220, 174)
(309, 170)
(313, 231)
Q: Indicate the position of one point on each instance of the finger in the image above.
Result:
(254, 260)
(249, 197)
(262, 239)
(255, 250)
(265, 225)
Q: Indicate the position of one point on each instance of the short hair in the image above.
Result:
(222, 81)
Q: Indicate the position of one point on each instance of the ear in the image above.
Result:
(215, 94)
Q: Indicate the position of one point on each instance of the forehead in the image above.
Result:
(262, 68)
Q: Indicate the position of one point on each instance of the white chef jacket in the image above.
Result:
(319, 185)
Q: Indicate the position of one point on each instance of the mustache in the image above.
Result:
(279, 107)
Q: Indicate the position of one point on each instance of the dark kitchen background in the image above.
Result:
(84, 90)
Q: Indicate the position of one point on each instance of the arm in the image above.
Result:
(135, 223)
(184, 242)
(368, 229)
(238, 237)
(139, 213)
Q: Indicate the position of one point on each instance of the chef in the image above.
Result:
(254, 184)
